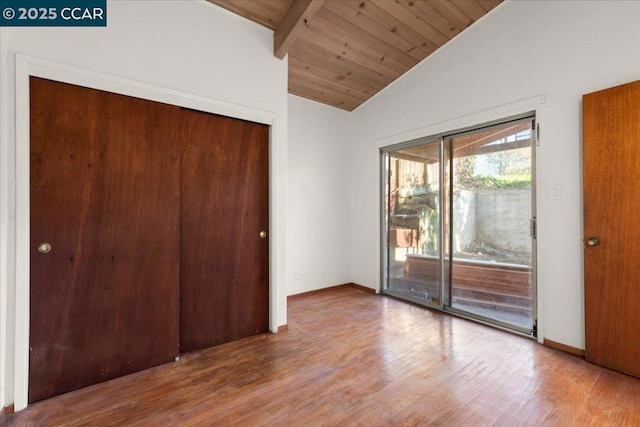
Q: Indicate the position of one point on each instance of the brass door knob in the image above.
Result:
(44, 247)
(263, 234)
(593, 241)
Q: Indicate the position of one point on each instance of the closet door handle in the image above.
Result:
(593, 241)
(263, 234)
(44, 247)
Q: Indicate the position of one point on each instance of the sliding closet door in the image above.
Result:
(224, 261)
(104, 236)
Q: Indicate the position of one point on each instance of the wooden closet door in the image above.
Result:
(224, 261)
(104, 195)
(611, 168)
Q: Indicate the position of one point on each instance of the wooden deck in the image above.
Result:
(352, 358)
(503, 287)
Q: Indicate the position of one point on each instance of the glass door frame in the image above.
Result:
(385, 169)
(446, 237)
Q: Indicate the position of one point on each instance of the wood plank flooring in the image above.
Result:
(353, 358)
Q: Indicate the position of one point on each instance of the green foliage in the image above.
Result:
(502, 181)
(464, 167)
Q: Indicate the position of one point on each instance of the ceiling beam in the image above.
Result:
(294, 22)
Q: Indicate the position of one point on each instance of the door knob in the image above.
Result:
(44, 247)
(263, 234)
(593, 241)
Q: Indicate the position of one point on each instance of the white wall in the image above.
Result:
(189, 46)
(522, 49)
(319, 207)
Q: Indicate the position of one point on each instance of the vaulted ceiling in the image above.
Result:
(342, 52)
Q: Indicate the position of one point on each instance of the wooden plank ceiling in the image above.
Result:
(342, 52)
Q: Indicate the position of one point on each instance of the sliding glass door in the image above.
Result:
(459, 223)
(414, 222)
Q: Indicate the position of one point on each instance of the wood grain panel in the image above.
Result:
(104, 194)
(488, 5)
(224, 264)
(328, 97)
(279, 7)
(416, 22)
(367, 29)
(343, 67)
(611, 130)
(346, 80)
(268, 13)
(390, 23)
(313, 81)
(350, 358)
(439, 21)
(294, 23)
(321, 34)
(502, 279)
(331, 46)
(471, 8)
(325, 59)
(354, 34)
(452, 12)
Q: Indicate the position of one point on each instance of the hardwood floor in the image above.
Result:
(353, 358)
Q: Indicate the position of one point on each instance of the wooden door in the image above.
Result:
(104, 195)
(611, 137)
(224, 261)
